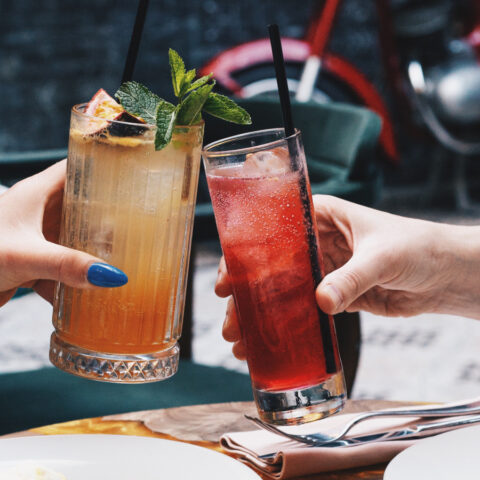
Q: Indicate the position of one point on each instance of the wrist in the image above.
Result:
(460, 247)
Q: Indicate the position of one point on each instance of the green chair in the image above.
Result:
(41, 397)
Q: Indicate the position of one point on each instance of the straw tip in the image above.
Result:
(282, 81)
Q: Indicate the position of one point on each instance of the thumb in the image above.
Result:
(73, 267)
(343, 286)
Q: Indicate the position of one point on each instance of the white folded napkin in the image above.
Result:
(281, 458)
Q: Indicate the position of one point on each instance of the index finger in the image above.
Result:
(41, 186)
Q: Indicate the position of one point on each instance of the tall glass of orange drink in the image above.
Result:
(133, 207)
(263, 208)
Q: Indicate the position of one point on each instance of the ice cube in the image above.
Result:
(268, 162)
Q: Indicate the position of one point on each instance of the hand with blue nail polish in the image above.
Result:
(30, 214)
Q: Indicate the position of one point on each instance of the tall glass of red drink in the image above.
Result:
(263, 208)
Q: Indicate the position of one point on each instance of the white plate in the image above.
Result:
(105, 457)
(447, 456)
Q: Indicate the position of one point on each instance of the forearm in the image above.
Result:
(460, 247)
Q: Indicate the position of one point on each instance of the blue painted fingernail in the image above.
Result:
(104, 275)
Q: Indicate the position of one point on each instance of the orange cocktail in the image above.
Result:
(133, 207)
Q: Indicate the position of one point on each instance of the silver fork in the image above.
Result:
(420, 430)
(318, 438)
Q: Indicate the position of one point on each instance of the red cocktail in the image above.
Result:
(262, 204)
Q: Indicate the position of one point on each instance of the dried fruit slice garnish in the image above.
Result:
(105, 110)
(102, 105)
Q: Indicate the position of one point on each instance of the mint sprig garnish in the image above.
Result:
(194, 97)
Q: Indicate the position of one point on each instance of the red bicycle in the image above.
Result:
(246, 70)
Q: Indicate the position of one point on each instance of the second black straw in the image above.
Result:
(135, 41)
(282, 82)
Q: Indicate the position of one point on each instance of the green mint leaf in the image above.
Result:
(223, 107)
(190, 75)
(186, 82)
(192, 106)
(138, 100)
(165, 120)
(177, 68)
(200, 82)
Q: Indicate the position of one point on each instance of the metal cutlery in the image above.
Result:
(319, 439)
(416, 431)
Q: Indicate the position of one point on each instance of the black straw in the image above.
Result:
(284, 94)
(282, 83)
(135, 41)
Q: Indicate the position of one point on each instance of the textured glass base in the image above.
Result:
(293, 407)
(106, 367)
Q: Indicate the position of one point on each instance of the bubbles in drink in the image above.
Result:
(259, 216)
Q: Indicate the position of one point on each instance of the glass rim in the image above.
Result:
(207, 150)
(77, 110)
